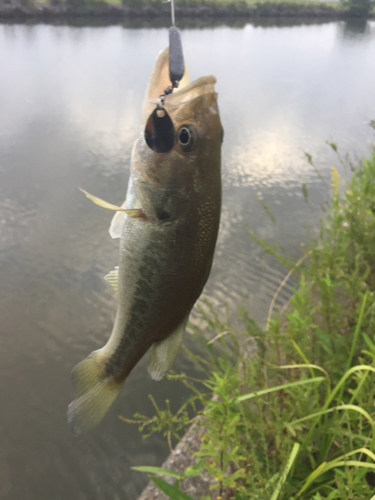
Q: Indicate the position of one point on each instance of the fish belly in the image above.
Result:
(160, 278)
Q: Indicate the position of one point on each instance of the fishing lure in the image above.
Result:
(160, 134)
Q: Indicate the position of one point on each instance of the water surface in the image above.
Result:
(70, 100)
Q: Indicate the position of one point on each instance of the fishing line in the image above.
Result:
(160, 134)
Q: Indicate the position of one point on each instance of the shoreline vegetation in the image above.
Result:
(288, 409)
(122, 10)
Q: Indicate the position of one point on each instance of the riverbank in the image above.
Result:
(289, 411)
(117, 12)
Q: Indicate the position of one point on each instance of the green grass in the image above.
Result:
(289, 409)
(308, 3)
(239, 8)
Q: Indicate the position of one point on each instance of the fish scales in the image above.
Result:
(166, 248)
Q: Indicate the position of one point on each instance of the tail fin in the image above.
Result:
(95, 393)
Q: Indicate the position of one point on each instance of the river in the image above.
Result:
(70, 102)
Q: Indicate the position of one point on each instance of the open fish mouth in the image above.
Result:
(202, 86)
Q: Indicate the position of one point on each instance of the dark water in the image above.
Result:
(70, 100)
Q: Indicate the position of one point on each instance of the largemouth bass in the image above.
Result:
(168, 232)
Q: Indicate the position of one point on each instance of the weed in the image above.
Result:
(289, 408)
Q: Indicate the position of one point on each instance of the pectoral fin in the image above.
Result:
(132, 212)
(163, 354)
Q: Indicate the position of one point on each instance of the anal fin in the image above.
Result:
(115, 229)
(163, 354)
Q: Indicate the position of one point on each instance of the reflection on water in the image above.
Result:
(357, 28)
(183, 22)
(70, 111)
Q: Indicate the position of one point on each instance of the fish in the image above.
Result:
(168, 227)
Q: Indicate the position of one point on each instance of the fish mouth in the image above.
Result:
(185, 94)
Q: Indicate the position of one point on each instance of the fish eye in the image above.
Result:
(186, 137)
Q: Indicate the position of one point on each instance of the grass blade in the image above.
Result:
(279, 387)
(345, 376)
(157, 470)
(359, 450)
(357, 328)
(307, 365)
(312, 478)
(171, 491)
(326, 466)
(341, 407)
(355, 463)
(286, 470)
